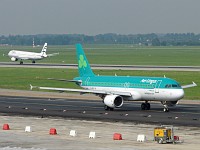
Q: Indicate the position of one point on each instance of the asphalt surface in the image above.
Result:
(182, 114)
(102, 66)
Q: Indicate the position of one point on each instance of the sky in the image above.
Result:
(92, 17)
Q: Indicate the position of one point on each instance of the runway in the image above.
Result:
(182, 115)
(102, 66)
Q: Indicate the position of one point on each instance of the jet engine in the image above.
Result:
(113, 101)
(13, 59)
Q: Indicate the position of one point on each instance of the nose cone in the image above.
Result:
(9, 53)
(178, 94)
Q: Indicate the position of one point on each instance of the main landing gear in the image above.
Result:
(33, 61)
(145, 106)
(21, 62)
(108, 108)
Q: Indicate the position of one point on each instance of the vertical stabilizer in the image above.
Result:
(83, 64)
(44, 50)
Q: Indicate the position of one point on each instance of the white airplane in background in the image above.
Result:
(16, 55)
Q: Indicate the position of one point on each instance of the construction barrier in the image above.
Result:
(117, 136)
(28, 129)
(52, 131)
(6, 127)
(176, 138)
(92, 135)
(141, 138)
(73, 133)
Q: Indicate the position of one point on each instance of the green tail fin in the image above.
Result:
(83, 64)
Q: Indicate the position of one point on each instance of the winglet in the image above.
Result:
(32, 87)
(194, 83)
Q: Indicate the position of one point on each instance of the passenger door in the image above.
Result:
(157, 86)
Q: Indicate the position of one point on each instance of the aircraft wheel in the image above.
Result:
(108, 108)
(33, 61)
(143, 106)
(111, 109)
(166, 110)
(148, 106)
(21, 62)
(160, 141)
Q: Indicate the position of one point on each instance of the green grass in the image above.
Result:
(117, 54)
(20, 78)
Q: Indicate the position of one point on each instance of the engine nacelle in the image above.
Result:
(171, 103)
(113, 101)
(13, 59)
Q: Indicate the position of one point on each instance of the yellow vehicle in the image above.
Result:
(164, 134)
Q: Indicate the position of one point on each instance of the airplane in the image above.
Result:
(114, 90)
(16, 55)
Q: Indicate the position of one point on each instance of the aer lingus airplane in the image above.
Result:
(16, 55)
(116, 89)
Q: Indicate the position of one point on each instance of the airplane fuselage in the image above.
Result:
(25, 55)
(141, 88)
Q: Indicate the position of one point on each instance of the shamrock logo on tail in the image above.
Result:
(82, 62)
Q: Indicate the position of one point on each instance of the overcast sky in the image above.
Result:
(93, 17)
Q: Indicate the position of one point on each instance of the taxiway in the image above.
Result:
(102, 66)
(183, 114)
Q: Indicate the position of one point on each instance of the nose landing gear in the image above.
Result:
(166, 109)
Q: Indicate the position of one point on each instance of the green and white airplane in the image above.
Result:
(114, 90)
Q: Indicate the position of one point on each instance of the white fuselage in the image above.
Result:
(23, 55)
(162, 94)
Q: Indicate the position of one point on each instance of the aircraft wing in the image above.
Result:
(189, 85)
(82, 91)
(57, 79)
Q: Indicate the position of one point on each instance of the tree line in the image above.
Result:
(169, 39)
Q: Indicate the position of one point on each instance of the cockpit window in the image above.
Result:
(172, 85)
(168, 86)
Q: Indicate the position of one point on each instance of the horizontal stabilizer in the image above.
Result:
(53, 54)
(33, 87)
(77, 81)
